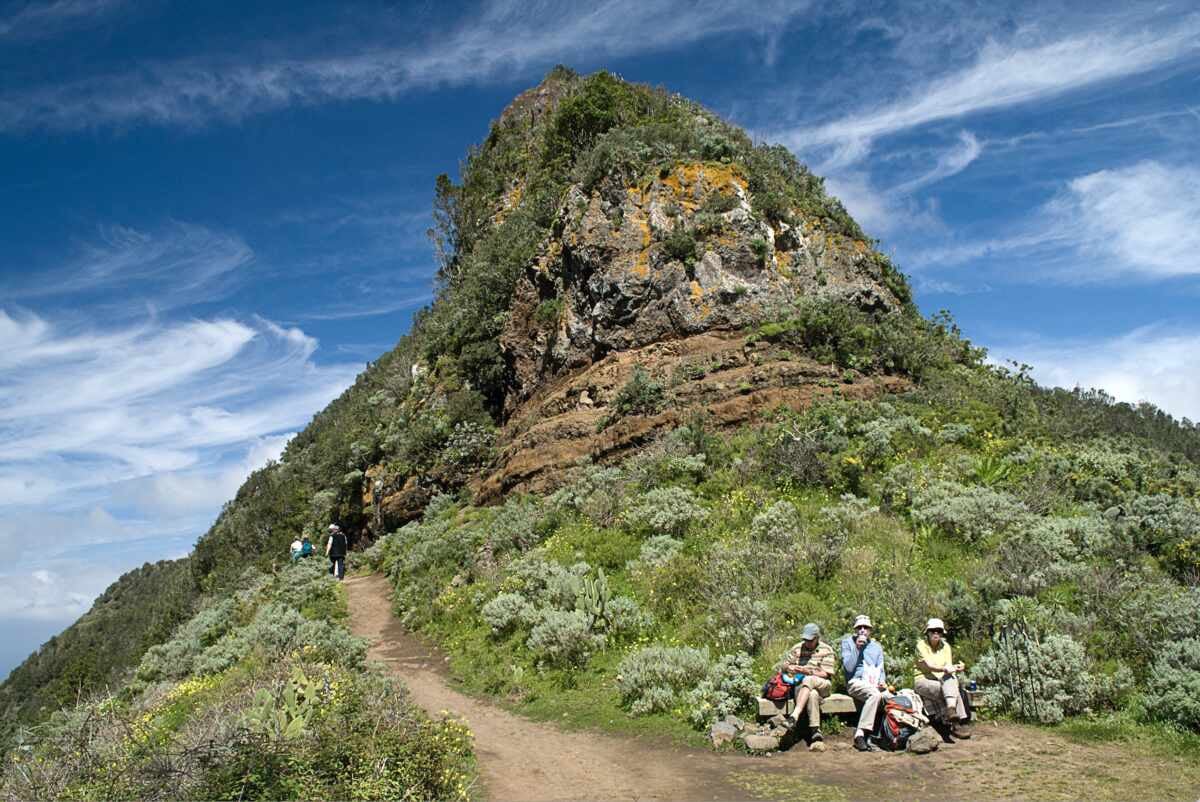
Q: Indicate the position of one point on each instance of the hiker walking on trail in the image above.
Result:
(937, 682)
(811, 662)
(862, 660)
(335, 550)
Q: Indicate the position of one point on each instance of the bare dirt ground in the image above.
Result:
(520, 759)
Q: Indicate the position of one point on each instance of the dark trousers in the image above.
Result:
(337, 565)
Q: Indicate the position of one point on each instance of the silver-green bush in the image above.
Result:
(656, 677)
(1173, 685)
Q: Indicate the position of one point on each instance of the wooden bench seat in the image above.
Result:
(831, 704)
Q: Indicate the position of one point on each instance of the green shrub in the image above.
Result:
(626, 618)
(1046, 551)
(760, 248)
(641, 395)
(506, 612)
(657, 550)
(548, 312)
(176, 657)
(1173, 685)
(729, 688)
(680, 245)
(1037, 680)
(564, 638)
(738, 621)
(656, 678)
(968, 514)
(596, 492)
(519, 525)
(666, 510)
(548, 584)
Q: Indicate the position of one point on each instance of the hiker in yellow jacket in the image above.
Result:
(937, 683)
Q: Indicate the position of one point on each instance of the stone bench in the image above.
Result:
(841, 703)
(832, 704)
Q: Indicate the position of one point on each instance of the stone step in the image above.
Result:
(834, 703)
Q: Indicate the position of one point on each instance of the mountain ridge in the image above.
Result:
(614, 263)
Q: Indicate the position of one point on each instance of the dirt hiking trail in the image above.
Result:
(521, 759)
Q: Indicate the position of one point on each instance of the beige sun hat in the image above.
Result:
(863, 621)
(935, 623)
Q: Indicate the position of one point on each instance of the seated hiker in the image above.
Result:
(810, 662)
(937, 683)
(862, 660)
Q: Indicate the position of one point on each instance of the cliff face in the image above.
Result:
(681, 254)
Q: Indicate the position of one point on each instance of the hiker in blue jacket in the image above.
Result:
(862, 660)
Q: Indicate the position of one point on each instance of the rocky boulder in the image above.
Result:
(679, 254)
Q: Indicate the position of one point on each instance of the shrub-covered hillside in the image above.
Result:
(261, 695)
(1057, 534)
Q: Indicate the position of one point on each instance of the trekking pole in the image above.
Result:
(1023, 685)
(1006, 649)
(1037, 677)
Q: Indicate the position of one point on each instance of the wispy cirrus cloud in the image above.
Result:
(176, 265)
(884, 210)
(1004, 75)
(1135, 222)
(117, 442)
(502, 40)
(36, 20)
(83, 410)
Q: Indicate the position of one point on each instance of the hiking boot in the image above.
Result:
(958, 732)
(815, 737)
(860, 743)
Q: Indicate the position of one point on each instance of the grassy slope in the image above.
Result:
(1114, 597)
(263, 694)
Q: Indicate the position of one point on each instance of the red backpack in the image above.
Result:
(776, 689)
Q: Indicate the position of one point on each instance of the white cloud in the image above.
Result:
(883, 211)
(178, 265)
(1156, 364)
(950, 162)
(45, 595)
(81, 410)
(1131, 222)
(1140, 219)
(1004, 75)
(503, 40)
(36, 20)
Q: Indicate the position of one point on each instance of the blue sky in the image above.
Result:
(212, 217)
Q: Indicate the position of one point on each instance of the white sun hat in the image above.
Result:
(935, 623)
(863, 621)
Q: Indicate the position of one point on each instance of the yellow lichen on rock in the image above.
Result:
(641, 264)
(783, 260)
(689, 182)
